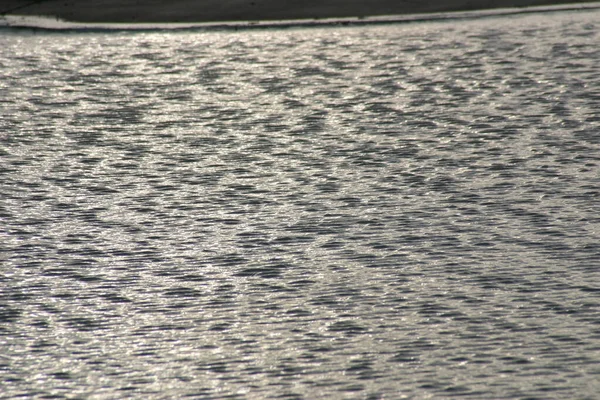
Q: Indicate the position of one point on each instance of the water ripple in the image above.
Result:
(373, 212)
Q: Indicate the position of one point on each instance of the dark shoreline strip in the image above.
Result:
(287, 24)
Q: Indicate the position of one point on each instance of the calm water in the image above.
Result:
(401, 211)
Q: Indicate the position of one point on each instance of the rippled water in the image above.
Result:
(345, 212)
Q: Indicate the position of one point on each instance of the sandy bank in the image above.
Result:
(130, 11)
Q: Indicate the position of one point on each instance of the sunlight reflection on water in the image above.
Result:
(403, 210)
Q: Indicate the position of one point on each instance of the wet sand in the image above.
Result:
(130, 11)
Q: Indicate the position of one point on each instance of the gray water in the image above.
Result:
(398, 211)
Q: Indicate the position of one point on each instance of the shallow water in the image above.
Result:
(401, 211)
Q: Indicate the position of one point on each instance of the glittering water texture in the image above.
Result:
(402, 211)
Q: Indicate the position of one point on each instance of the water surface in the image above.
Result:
(400, 211)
